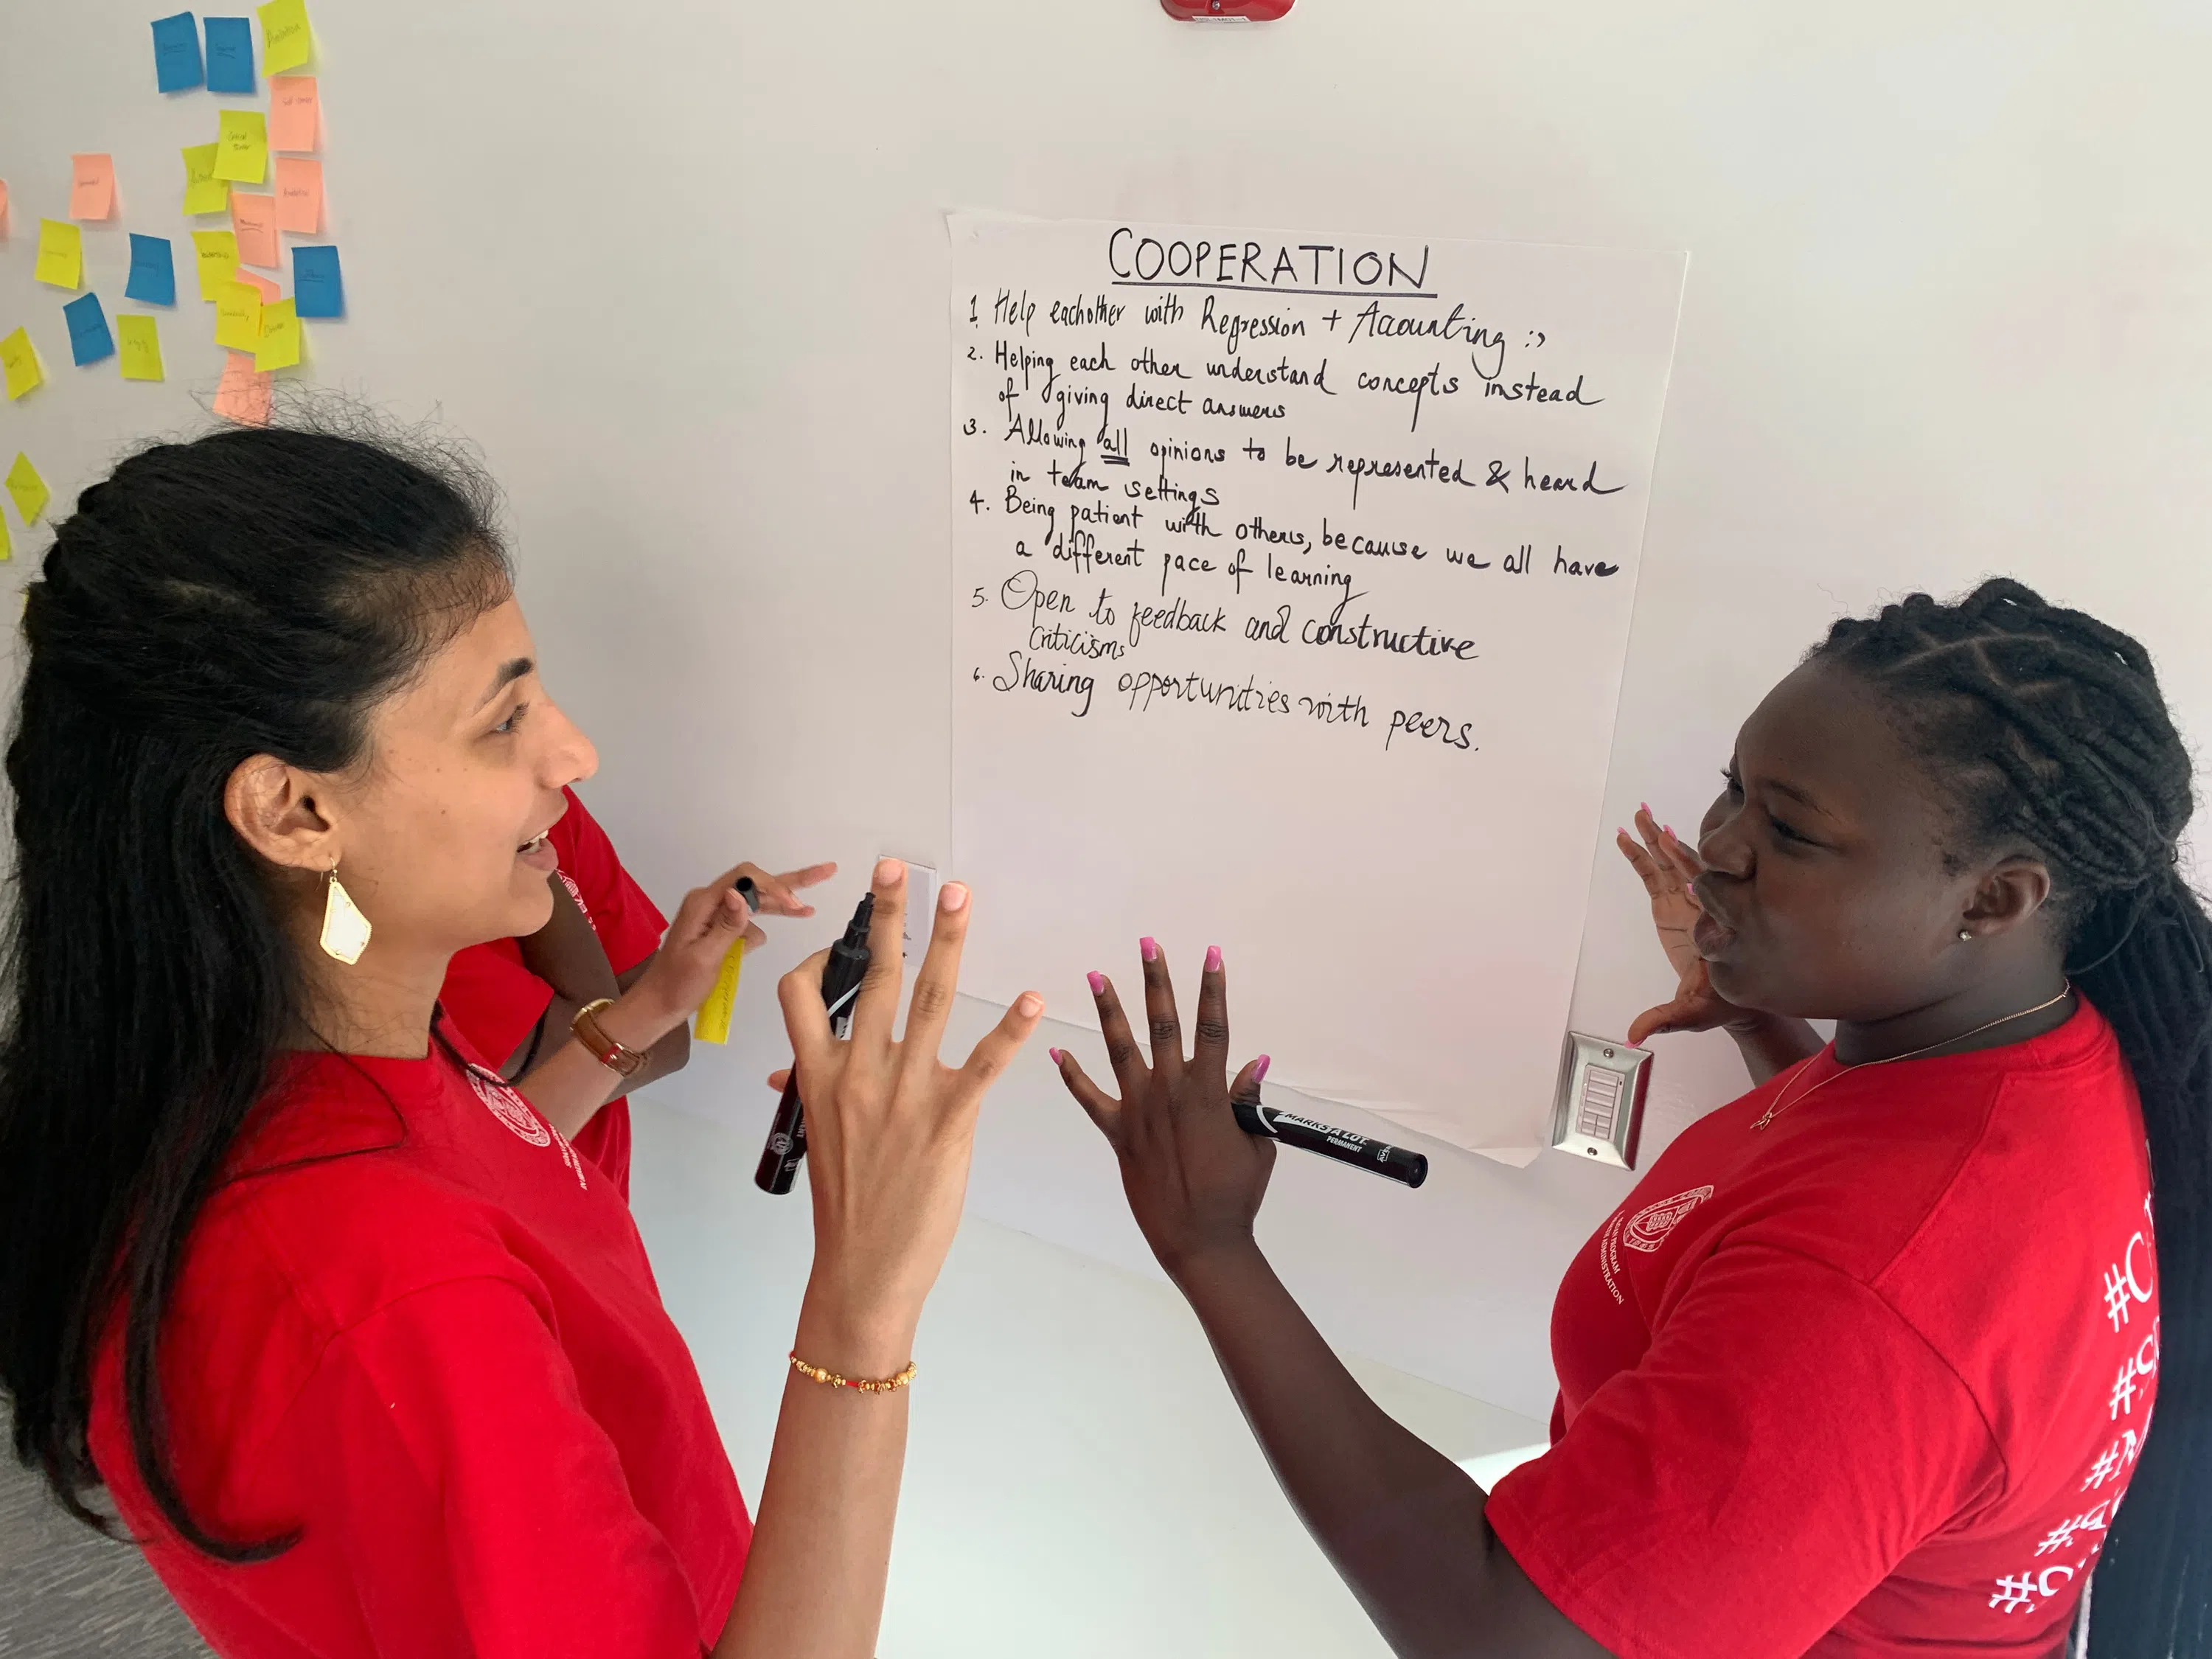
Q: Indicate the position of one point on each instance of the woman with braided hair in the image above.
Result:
(1867, 1362)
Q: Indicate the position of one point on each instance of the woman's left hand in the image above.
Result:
(1193, 1179)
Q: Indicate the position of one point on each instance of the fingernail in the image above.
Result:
(1057, 1055)
(1029, 1005)
(1213, 958)
(1097, 984)
(951, 896)
(1149, 949)
(1670, 829)
(1259, 1067)
(888, 871)
(1644, 807)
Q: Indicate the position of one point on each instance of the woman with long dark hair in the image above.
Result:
(1868, 1361)
(368, 1358)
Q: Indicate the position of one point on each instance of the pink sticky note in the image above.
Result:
(269, 291)
(91, 187)
(244, 395)
(294, 112)
(298, 194)
(3, 207)
(253, 218)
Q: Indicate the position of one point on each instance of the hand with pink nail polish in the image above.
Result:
(1194, 1181)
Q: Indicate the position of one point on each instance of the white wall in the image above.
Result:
(680, 269)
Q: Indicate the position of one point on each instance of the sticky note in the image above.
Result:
(28, 488)
(203, 192)
(280, 338)
(7, 551)
(316, 283)
(253, 218)
(299, 195)
(91, 187)
(89, 340)
(21, 361)
(61, 253)
(270, 291)
(142, 348)
(229, 55)
(238, 317)
(217, 252)
(241, 149)
(177, 52)
(713, 1024)
(153, 272)
(244, 395)
(3, 207)
(295, 112)
(286, 39)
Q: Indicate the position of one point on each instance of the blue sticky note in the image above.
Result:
(153, 272)
(229, 55)
(89, 340)
(317, 287)
(177, 52)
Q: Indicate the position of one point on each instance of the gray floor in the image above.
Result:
(66, 1591)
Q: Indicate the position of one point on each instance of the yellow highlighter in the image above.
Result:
(713, 1024)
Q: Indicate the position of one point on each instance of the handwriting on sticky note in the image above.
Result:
(317, 284)
(89, 340)
(298, 194)
(153, 279)
(241, 149)
(177, 52)
(217, 253)
(203, 192)
(229, 55)
(253, 219)
(295, 112)
(21, 361)
(238, 316)
(28, 488)
(142, 348)
(91, 187)
(61, 253)
(244, 393)
(286, 40)
(280, 338)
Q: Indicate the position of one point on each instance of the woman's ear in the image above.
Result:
(2007, 896)
(272, 806)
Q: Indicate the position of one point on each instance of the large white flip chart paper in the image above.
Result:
(1292, 573)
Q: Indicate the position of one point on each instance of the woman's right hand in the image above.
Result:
(889, 1130)
(1668, 866)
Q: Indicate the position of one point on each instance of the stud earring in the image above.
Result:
(345, 930)
(1966, 934)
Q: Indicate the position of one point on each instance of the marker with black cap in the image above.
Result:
(840, 983)
(1393, 1162)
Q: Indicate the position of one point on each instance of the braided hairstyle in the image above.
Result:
(255, 592)
(2045, 726)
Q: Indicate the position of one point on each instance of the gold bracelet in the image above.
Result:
(877, 1385)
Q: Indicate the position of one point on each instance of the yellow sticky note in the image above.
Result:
(218, 261)
(244, 395)
(238, 317)
(286, 39)
(203, 192)
(280, 336)
(713, 1024)
(141, 345)
(7, 551)
(28, 488)
(20, 359)
(61, 253)
(241, 149)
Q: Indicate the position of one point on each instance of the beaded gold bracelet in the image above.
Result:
(864, 1385)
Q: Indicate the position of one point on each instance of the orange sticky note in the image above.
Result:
(3, 207)
(244, 394)
(299, 195)
(295, 112)
(265, 286)
(253, 221)
(91, 187)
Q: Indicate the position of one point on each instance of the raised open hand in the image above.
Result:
(1668, 866)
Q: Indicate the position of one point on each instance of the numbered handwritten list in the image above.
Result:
(1292, 577)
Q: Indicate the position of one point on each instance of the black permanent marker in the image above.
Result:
(1393, 1163)
(840, 983)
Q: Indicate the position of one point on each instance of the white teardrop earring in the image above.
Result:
(345, 930)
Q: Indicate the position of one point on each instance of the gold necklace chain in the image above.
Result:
(1783, 1103)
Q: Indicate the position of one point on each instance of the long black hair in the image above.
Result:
(253, 591)
(2045, 726)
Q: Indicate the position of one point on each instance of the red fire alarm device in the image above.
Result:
(1225, 11)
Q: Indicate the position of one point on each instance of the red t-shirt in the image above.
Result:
(440, 1353)
(1869, 1381)
(496, 1000)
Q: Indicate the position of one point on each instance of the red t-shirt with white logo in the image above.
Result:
(416, 1325)
(1869, 1381)
(496, 1000)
